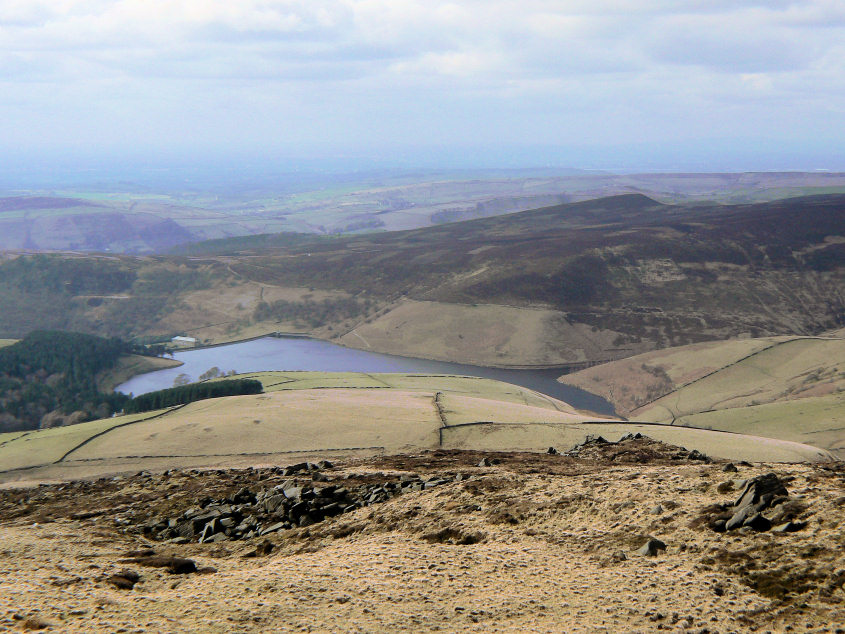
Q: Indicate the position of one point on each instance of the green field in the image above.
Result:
(816, 421)
(314, 414)
(789, 388)
(20, 450)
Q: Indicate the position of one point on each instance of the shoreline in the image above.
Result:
(564, 368)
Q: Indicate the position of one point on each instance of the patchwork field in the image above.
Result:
(790, 388)
(344, 414)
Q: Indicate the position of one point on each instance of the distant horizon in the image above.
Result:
(81, 171)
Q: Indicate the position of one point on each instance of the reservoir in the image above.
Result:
(300, 353)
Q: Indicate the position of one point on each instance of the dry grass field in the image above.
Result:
(313, 413)
(535, 543)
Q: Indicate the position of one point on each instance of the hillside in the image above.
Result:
(305, 414)
(618, 276)
(791, 388)
(443, 540)
(611, 278)
(169, 212)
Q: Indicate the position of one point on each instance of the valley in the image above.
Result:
(152, 217)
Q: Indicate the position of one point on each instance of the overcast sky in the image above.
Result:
(641, 84)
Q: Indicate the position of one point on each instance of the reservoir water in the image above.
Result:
(299, 353)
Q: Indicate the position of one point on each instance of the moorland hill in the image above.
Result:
(584, 282)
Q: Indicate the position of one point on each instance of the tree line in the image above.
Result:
(50, 375)
(193, 392)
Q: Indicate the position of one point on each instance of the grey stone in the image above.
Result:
(272, 504)
(739, 517)
(756, 488)
(178, 540)
(656, 510)
(730, 468)
(789, 527)
(186, 529)
(695, 454)
(273, 528)
(758, 523)
(651, 547)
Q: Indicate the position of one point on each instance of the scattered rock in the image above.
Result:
(756, 489)
(632, 448)
(725, 487)
(695, 454)
(248, 514)
(758, 523)
(656, 510)
(758, 495)
(485, 462)
(551, 451)
(730, 468)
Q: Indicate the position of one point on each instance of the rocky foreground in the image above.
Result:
(628, 536)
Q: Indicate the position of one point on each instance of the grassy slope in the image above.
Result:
(817, 421)
(786, 388)
(595, 281)
(628, 383)
(483, 334)
(309, 413)
(20, 450)
(792, 369)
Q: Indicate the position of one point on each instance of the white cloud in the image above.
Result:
(409, 70)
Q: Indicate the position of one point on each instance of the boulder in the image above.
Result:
(651, 548)
(756, 488)
(124, 579)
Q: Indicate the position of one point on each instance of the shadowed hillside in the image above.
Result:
(614, 277)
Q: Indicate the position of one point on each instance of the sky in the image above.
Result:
(703, 85)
